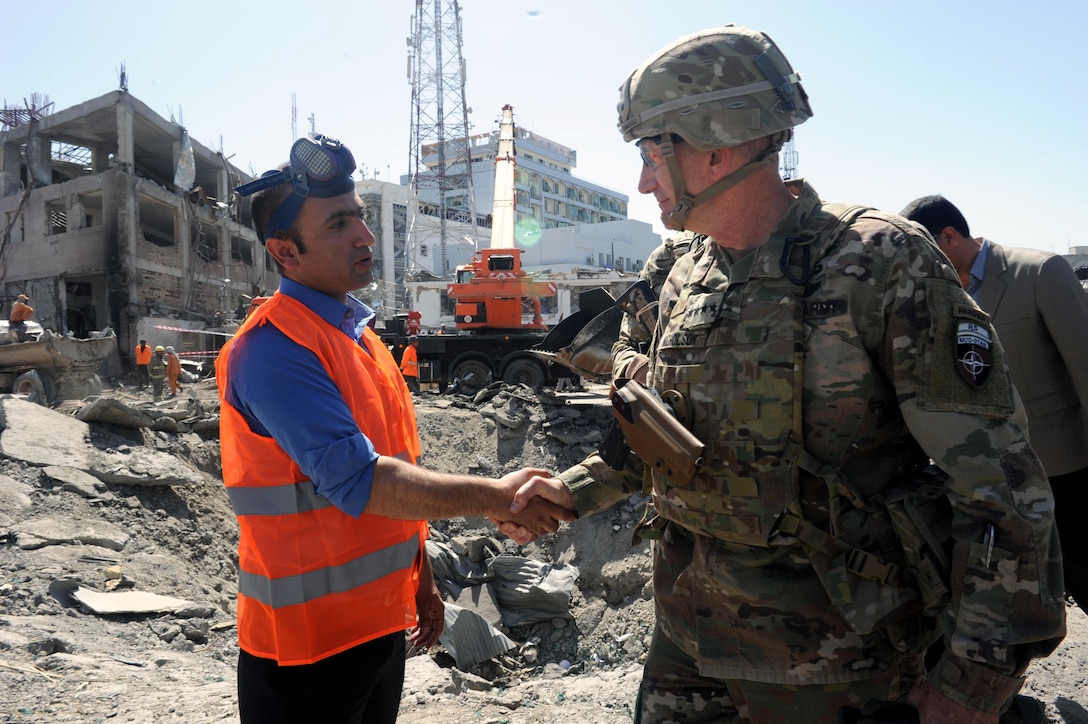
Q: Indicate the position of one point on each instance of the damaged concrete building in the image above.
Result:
(113, 216)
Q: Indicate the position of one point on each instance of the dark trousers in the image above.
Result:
(1070, 503)
(412, 382)
(362, 684)
(142, 377)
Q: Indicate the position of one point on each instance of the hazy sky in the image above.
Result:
(981, 101)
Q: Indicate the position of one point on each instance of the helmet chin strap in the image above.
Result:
(676, 219)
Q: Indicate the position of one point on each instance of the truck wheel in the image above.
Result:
(472, 373)
(524, 372)
(37, 387)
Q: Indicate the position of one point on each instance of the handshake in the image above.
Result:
(538, 502)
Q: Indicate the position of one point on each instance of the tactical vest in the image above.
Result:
(734, 355)
(731, 357)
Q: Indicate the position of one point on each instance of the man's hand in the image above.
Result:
(430, 615)
(936, 708)
(538, 504)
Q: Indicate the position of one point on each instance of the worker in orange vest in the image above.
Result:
(21, 311)
(173, 370)
(332, 505)
(143, 359)
(409, 364)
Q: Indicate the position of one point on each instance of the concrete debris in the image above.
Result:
(470, 639)
(39, 436)
(98, 602)
(34, 534)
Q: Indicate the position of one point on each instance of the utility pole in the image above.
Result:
(439, 152)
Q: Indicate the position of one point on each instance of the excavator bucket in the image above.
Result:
(583, 341)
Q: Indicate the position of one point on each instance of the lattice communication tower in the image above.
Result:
(787, 160)
(439, 161)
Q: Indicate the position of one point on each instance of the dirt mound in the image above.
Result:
(60, 661)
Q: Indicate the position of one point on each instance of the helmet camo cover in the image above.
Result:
(715, 88)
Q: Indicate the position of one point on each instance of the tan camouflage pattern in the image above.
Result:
(595, 486)
(673, 690)
(634, 337)
(593, 483)
(880, 394)
(715, 73)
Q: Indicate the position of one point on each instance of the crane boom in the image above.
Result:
(506, 165)
(491, 290)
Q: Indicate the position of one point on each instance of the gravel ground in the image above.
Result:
(64, 663)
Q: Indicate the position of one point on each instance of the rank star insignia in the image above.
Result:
(974, 354)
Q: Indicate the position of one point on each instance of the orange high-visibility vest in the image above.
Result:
(313, 580)
(143, 354)
(409, 362)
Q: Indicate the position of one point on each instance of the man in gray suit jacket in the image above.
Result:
(1040, 312)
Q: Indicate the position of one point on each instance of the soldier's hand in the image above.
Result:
(638, 369)
(550, 489)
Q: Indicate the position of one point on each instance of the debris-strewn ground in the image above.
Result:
(62, 662)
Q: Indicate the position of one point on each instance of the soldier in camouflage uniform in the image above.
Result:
(823, 353)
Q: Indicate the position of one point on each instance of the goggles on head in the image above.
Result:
(320, 167)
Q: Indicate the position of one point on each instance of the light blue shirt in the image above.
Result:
(283, 392)
(978, 269)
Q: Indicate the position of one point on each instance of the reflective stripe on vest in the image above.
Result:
(292, 590)
(276, 500)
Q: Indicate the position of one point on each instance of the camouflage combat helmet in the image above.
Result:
(714, 89)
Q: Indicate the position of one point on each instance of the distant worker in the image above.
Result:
(320, 450)
(156, 370)
(441, 329)
(1040, 312)
(409, 364)
(21, 312)
(173, 370)
(143, 358)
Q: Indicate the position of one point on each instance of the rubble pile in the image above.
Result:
(118, 569)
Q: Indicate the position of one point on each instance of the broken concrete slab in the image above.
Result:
(39, 436)
(14, 499)
(76, 481)
(114, 412)
(47, 531)
(117, 601)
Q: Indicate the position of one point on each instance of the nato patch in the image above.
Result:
(974, 356)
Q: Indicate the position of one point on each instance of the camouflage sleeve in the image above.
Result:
(633, 336)
(957, 399)
(596, 486)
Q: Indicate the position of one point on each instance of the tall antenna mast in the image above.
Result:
(439, 161)
(294, 118)
(787, 164)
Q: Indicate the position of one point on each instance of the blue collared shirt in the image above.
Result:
(283, 391)
(978, 268)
